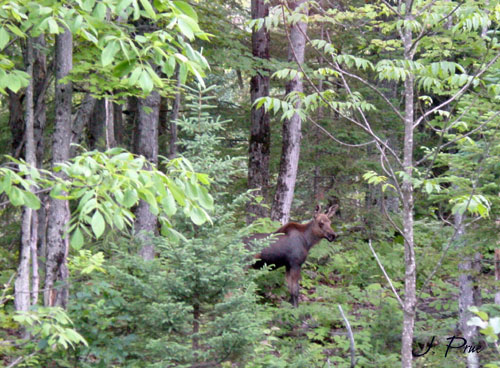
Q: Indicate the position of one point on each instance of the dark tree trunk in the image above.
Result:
(16, 122)
(291, 127)
(97, 126)
(260, 133)
(81, 121)
(118, 124)
(57, 241)
(146, 143)
(41, 81)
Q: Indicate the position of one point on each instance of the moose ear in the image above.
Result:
(331, 211)
(318, 210)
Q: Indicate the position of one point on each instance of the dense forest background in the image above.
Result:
(143, 140)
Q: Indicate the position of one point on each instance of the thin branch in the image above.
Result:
(351, 337)
(385, 274)
(336, 139)
(459, 93)
(461, 137)
(368, 130)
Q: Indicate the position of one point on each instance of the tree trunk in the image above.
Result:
(147, 145)
(81, 120)
(410, 299)
(172, 146)
(22, 283)
(260, 132)
(497, 274)
(16, 122)
(41, 81)
(118, 124)
(466, 295)
(291, 128)
(57, 241)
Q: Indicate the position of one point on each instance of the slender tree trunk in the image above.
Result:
(176, 106)
(16, 122)
(410, 299)
(57, 242)
(147, 145)
(41, 81)
(22, 283)
(291, 127)
(466, 295)
(497, 274)
(82, 119)
(118, 124)
(260, 131)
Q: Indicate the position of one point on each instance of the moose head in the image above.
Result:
(322, 226)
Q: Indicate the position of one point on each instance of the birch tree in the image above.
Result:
(292, 126)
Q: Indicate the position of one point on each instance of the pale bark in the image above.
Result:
(22, 282)
(260, 131)
(410, 299)
(56, 269)
(291, 127)
(466, 294)
(172, 146)
(147, 145)
(497, 274)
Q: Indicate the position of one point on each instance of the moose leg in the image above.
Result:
(292, 280)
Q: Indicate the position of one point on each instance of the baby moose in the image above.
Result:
(291, 246)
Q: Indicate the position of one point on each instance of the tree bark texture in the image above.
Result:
(147, 145)
(101, 126)
(260, 132)
(118, 124)
(290, 151)
(81, 121)
(56, 270)
(22, 290)
(410, 299)
(16, 122)
(466, 294)
(172, 146)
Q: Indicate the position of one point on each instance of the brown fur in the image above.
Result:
(292, 245)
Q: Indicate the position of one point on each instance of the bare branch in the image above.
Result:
(385, 274)
(336, 139)
(351, 337)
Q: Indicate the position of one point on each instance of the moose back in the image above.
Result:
(291, 245)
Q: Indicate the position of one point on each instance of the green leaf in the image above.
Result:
(185, 28)
(31, 200)
(98, 225)
(198, 216)
(16, 196)
(186, 9)
(145, 82)
(149, 9)
(4, 38)
(53, 27)
(77, 239)
(205, 198)
(130, 198)
(109, 52)
(168, 204)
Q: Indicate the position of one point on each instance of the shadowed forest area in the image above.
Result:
(149, 148)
